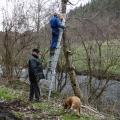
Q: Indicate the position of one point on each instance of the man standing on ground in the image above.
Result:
(35, 70)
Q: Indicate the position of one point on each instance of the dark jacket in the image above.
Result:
(35, 69)
(55, 24)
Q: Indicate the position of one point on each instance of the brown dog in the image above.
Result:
(73, 103)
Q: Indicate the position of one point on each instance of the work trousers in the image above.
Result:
(34, 91)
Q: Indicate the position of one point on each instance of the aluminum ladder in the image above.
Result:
(53, 61)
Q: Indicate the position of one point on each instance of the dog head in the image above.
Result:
(67, 103)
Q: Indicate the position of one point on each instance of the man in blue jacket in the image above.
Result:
(35, 70)
(55, 23)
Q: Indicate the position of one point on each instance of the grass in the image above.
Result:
(19, 114)
(14, 90)
(8, 94)
(74, 117)
(55, 110)
(50, 109)
(46, 109)
(110, 56)
(17, 85)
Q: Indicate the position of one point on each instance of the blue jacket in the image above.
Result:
(55, 24)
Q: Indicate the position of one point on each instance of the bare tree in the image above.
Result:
(69, 64)
(99, 55)
(17, 38)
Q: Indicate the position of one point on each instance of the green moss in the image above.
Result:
(11, 94)
(8, 94)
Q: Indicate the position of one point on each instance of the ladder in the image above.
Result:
(53, 61)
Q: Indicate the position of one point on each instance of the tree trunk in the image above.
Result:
(70, 68)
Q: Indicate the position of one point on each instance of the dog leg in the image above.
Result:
(78, 112)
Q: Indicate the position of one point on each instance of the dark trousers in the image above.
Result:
(34, 90)
(52, 52)
(55, 37)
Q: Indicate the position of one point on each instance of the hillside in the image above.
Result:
(107, 7)
(14, 105)
(101, 14)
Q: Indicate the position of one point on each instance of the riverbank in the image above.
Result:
(15, 106)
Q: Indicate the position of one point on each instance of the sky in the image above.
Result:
(9, 6)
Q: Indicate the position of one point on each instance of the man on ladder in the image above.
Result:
(57, 24)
